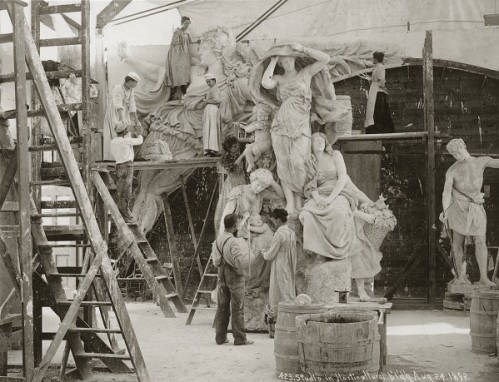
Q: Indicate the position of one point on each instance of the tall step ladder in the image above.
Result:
(82, 339)
(206, 286)
(156, 276)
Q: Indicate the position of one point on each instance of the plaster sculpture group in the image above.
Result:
(278, 96)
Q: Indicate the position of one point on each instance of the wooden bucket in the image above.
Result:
(483, 321)
(285, 345)
(338, 343)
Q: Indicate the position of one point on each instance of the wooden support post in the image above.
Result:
(36, 157)
(85, 130)
(429, 113)
(191, 226)
(172, 244)
(23, 178)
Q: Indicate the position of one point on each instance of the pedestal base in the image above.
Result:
(325, 278)
(254, 310)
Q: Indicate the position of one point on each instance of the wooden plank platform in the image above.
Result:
(165, 165)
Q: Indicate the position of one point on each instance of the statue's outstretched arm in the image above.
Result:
(268, 80)
(491, 162)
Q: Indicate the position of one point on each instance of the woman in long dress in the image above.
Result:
(378, 115)
(290, 130)
(178, 61)
(332, 224)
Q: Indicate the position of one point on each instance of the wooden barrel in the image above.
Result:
(344, 127)
(483, 318)
(285, 345)
(338, 343)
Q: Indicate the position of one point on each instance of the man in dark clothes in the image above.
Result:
(231, 262)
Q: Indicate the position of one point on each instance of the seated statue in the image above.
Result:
(333, 226)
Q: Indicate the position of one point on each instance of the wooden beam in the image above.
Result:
(60, 41)
(9, 77)
(429, 123)
(75, 27)
(23, 179)
(11, 114)
(36, 134)
(163, 165)
(63, 8)
(387, 136)
(110, 12)
(172, 244)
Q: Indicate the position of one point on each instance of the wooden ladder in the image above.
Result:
(156, 276)
(31, 231)
(205, 287)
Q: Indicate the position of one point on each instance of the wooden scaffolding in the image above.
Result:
(96, 280)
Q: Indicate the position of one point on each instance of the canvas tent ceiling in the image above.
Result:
(458, 26)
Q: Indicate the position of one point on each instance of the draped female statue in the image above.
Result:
(333, 226)
(293, 78)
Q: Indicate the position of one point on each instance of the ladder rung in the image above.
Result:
(85, 303)
(58, 274)
(59, 215)
(210, 275)
(6, 37)
(171, 295)
(161, 277)
(152, 260)
(50, 245)
(94, 330)
(204, 308)
(102, 356)
(168, 265)
(205, 291)
(56, 182)
(55, 204)
(62, 8)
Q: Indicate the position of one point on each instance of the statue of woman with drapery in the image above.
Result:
(294, 79)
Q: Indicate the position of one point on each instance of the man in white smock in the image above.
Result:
(121, 110)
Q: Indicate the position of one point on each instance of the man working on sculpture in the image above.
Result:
(231, 262)
(121, 110)
(462, 203)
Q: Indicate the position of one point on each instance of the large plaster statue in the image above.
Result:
(179, 123)
(333, 225)
(288, 77)
(463, 212)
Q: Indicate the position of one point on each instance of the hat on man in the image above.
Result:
(210, 76)
(134, 76)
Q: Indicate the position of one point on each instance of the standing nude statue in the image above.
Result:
(463, 212)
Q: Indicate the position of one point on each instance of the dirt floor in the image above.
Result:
(424, 342)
